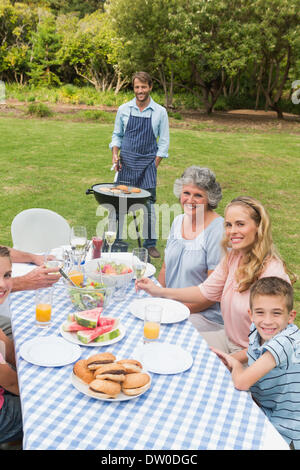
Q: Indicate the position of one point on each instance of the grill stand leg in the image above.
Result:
(137, 230)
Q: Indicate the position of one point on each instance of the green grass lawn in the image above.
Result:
(50, 163)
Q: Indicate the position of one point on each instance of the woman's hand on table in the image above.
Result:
(148, 286)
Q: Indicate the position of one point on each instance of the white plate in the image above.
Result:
(84, 388)
(72, 337)
(49, 351)
(173, 311)
(164, 358)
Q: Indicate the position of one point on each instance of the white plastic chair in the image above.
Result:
(38, 230)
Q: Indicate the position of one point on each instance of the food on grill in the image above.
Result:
(135, 190)
(115, 190)
(122, 187)
(105, 189)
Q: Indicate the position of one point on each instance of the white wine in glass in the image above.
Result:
(139, 262)
(111, 233)
(78, 238)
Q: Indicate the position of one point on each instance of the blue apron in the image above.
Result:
(138, 152)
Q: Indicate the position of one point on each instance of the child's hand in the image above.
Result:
(225, 358)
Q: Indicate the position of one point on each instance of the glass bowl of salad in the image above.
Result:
(89, 295)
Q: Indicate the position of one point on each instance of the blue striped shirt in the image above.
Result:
(160, 124)
(278, 392)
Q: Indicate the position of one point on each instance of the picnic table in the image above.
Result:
(194, 410)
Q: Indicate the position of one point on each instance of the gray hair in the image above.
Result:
(205, 179)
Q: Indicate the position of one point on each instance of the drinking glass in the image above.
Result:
(43, 307)
(111, 234)
(97, 243)
(139, 263)
(52, 260)
(152, 320)
(78, 238)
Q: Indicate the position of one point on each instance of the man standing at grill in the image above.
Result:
(141, 135)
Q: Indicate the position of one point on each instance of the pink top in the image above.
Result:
(222, 287)
(2, 361)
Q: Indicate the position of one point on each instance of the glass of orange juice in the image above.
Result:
(43, 307)
(152, 320)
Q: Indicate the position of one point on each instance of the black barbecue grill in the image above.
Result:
(123, 201)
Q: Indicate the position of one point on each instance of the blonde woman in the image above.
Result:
(250, 255)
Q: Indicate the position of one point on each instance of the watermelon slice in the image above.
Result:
(86, 336)
(73, 326)
(108, 336)
(88, 318)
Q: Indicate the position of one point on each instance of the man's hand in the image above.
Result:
(36, 279)
(157, 161)
(115, 159)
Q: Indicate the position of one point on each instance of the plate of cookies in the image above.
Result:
(104, 377)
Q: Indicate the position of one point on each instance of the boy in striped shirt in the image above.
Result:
(273, 372)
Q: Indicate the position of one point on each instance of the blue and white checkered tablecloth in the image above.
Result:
(197, 409)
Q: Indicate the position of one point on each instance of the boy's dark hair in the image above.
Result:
(273, 286)
(4, 252)
(144, 77)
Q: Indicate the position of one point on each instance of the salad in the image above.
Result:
(92, 295)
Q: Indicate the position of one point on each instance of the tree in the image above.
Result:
(148, 31)
(217, 44)
(16, 26)
(46, 42)
(277, 46)
(89, 46)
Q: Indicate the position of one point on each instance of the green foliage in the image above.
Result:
(175, 115)
(221, 52)
(45, 46)
(97, 115)
(39, 110)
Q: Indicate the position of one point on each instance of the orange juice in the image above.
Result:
(43, 313)
(76, 277)
(151, 330)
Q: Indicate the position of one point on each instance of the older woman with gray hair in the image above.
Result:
(194, 245)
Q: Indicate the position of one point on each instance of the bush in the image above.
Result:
(95, 115)
(175, 115)
(39, 109)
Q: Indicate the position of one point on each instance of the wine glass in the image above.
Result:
(78, 238)
(139, 262)
(78, 241)
(111, 234)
